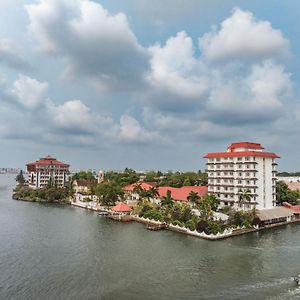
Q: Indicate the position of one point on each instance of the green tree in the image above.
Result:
(244, 197)
(20, 178)
(293, 196)
(108, 193)
(208, 205)
(167, 200)
(193, 197)
(281, 191)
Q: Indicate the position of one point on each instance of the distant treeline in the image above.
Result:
(288, 174)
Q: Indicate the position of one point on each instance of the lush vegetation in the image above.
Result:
(47, 194)
(176, 179)
(181, 214)
(284, 194)
(108, 193)
(87, 175)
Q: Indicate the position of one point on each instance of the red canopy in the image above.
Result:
(121, 207)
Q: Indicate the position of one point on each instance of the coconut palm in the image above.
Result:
(244, 197)
(193, 197)
(167, 200)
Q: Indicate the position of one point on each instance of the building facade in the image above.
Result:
(243, 167)
(47, 169)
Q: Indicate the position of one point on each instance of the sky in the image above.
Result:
(151, 85)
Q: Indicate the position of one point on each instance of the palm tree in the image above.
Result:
(167, 200)
(193, 197)
(244, 196)
(153, 192)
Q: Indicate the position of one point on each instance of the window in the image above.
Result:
(218, 159)
(240, 174)
(239, 181)
(247, 166)
(240, 159)
(239, 166)
(247, 174)
(247, 158)
(248, 181)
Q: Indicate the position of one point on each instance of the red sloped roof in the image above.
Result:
(241, 153)
(48, 160)
(294, 208)
(121, 207)
(144, 185)
(181, 194)
(293, 185)
(245, 145)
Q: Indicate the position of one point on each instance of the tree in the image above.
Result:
(244, 197)
(153, 192)
(208, 205)
(108, 193)
(293, 196)
(193, 197)
(167, 200)
(281, 191)
(20, 178)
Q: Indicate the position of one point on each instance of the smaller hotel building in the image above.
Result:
(244, 166)
(41, 171)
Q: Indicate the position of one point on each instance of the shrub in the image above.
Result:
(190, 224)
(201, 226)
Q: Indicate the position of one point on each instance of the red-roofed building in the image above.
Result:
(121, 212)
(181, 194)
(178, 194)
(294, 208)
(144, 185)
(46, 169)
(244, 166)
(121, 207)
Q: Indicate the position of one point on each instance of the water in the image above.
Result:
(62, 252)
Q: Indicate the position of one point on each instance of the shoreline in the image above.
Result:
(183, 230)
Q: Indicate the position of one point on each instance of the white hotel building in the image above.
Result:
(244, 166)
(45, 169)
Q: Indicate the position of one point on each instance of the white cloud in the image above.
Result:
(241, 36)
(30, 92)
(95, 43)
(71, 115)
(132, 131)
(175, 69)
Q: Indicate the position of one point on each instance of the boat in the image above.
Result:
(297, 279)
(156, 227)
(103, 213)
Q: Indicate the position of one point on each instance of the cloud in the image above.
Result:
(175, 69)
(95, 43)
(131, 131)
(241, 36)
(39, 119)
(10, 57)
(29, 92)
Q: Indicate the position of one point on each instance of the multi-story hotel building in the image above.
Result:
(46, 169)
(244, 166)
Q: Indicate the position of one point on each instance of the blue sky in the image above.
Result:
(147, 84)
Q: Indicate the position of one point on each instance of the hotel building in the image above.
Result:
(244, 166)
(46, 169)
